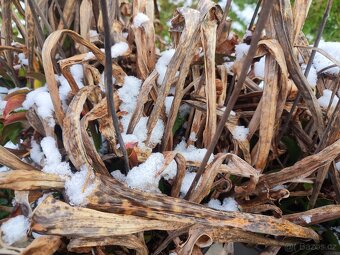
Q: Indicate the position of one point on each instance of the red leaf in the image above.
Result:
(13, 103)
(15, 117)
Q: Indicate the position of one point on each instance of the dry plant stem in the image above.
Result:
(331, 133)
(254, 15)
(109, 85)
(308, 67)
(247, 62)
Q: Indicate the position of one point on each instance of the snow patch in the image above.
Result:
(15, 229)
(147, 175)
(240, 133)
(74, 186)
(191, 153)
(162, 64)
(320, 61)
(119, 49)
(140, 19)
(307, 218)
(42, 99)
(325, 99)
(229, 204)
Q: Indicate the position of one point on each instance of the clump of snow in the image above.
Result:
(128, 94)
(241, 50)
(119, 49)
(229, 204)
(320, 61)
(42, 198)
(77, 72)
(168, 103)
(11, 145)
(3, 90)
(42, 99)
(325, 99)
(229, 65)
(261, 85)
(307, 218)
(36, 153)
(147, 175)
(193, 137)
(337, 165)
(129, 138)
(278, 187)
(140, 19)
(312, 75)
(88, 56)
(162, 64)
(186, 183)
(4, 169)
(259, 68)
(93, 33)
(74, 186)
(52, 162)
(240, 133)
(22, 59)
(118, 176)
(102, 82)
(191, 153)
(15, 229)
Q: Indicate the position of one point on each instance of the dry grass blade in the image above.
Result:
(53, 217)
(315, 216)
(281, 23)
(159, 207)
(48, 244)
(47, 54)
(10, 160)
(75, 147)
(208, 31)
(188, 32)
(131, 242)
(301, 169)
(30, 180)
(6, 29)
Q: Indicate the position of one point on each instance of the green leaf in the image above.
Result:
(11, 133)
